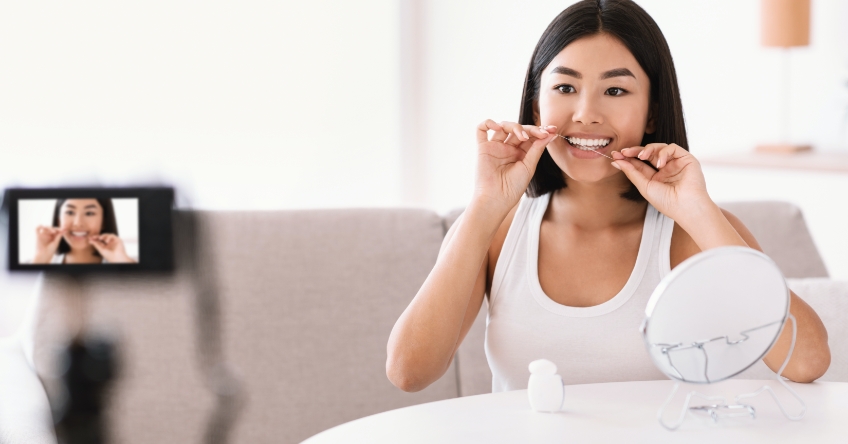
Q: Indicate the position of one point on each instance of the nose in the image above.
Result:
(587, 111)
(77, 222)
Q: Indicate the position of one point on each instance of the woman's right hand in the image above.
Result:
(506, 161)
(46, 243)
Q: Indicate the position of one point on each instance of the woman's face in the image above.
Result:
(594, 89)
(81, 218)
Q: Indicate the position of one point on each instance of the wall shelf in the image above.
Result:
(827, 161)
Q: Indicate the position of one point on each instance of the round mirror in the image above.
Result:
(715, 314)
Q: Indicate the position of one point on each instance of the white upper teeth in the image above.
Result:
(79, 233)
(588, 142)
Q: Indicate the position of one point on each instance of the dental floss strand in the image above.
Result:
(594, 150)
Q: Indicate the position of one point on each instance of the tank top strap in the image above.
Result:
(665, 228)
(527, 211)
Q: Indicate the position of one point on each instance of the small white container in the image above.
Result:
(545, 388)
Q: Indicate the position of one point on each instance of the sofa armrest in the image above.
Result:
(24, 409)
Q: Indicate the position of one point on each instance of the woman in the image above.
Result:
(84, 231)
(567, 243)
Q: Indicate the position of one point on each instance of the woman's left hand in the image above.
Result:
(676, 188)
(111, 247)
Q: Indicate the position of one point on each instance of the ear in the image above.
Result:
(651, 127)
(536, 118)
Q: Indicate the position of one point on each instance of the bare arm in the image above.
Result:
(427, 334)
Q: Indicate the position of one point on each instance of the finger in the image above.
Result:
(483, 130)
(538, 132)
(519, 133)
(518, 130)
(552, 131)
(534, 153)
(535, 133)
(632, 151)
(97, 241)
(540, 138)
(650, 150)
(643, 167)
(664, 155)
(57, 236)
(636, 173)
(96, 244)
(671, 152)
(45, 231)
(513, 139)
(645, 153)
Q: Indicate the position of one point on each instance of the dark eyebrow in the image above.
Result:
(566, 71)
(91, 206)
(618, 72)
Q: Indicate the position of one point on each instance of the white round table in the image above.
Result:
(611, 412)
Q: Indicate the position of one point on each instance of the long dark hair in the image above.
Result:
(629, 23)
(108, 226)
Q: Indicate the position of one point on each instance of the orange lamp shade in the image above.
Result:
(785, 23)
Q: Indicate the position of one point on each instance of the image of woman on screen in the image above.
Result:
(84, 231)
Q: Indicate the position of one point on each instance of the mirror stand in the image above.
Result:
(721, 409)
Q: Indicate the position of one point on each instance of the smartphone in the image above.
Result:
(90, 230)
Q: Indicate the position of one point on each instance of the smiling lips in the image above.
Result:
(587, 144)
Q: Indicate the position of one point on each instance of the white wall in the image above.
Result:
(241, 104)
(264, 104)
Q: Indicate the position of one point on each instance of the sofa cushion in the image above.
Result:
(780, 229)
(303, 301)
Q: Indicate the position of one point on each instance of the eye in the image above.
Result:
(69, 212)
(615, 91)
(565, 89)
(90, 213)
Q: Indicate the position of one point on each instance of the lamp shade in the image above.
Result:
(785, 23)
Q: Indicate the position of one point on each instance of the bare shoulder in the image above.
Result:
(683, 246)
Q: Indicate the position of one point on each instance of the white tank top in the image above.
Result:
(601, 343)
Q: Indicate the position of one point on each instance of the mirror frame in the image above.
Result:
(683, 268)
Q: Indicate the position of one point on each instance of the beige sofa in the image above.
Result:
(277, 323)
